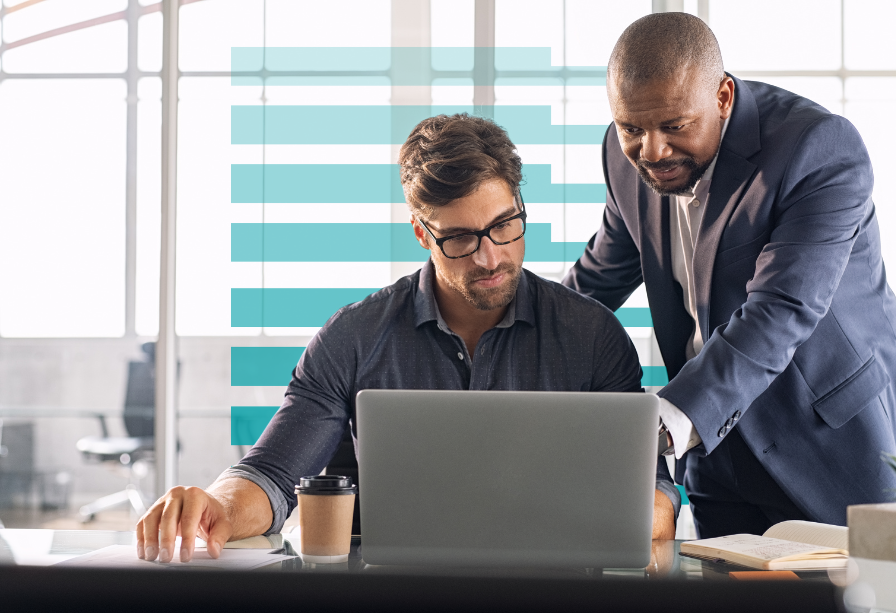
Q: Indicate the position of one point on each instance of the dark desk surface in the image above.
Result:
(670, 583)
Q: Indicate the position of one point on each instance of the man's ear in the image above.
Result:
(419, 233)
(725, 97)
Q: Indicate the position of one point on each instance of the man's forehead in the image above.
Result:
(478, 208)
(676, 86)
(670, 98)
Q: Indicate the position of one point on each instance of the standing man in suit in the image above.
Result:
(746, 211)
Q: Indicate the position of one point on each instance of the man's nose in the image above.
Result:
(654, 146)
(488, 255)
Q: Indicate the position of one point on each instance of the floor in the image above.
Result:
(113, 519)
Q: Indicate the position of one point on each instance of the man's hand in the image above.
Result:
(663, 517)
(230, 509)
(185, 512)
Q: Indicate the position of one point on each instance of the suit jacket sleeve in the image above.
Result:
(824, 196)
(610, 269)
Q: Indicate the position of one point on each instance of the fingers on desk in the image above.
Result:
(193, 508)
(158, 528)
(148, 532)
(168, 524)
(181, 512)
(219, 533)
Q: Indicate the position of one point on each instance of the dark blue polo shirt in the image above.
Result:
(551, 339)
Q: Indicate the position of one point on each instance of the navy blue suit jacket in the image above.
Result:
(791, 296)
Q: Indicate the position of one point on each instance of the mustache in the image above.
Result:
(689, 163)
(484, 273)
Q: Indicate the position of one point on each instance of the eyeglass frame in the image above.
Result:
(480, 234)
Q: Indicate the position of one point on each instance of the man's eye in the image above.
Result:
(674, 128)
(632, 130)
(501, 226)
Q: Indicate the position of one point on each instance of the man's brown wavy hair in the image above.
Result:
(449, 157)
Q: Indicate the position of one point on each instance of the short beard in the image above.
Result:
(487, 299)
(695, 171)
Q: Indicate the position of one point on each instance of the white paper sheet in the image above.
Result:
(759, 547)
(125, 556)
(822, 535)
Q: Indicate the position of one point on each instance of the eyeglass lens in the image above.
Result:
(501, 233)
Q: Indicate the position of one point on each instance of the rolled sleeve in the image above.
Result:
(665, 484)
(672, 493)
(279, 507)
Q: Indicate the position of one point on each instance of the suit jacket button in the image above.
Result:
(736, 415)
(730, 423)
(722, 431)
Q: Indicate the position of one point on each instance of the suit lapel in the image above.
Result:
(732, 174)
(725, 193)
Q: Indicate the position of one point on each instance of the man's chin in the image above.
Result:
(668, 188)
(682, 184)
(494, 297)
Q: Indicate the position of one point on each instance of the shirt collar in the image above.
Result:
(426, 309)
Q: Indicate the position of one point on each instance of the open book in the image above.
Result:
(790, 545)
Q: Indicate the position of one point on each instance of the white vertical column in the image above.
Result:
(166, 349)
(130, 309)
(703, 10)
(668, 6)
(410, 28)
(484, 56)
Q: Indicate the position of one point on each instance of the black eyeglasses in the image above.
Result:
(503, 232)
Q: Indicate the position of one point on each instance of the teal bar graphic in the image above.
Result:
(635, 317)
(290, 307)
(375, 183)
(274, 365)
(403, 65)
(364, 242)
(652, 375)
(384, 124)
(684, 497)
(247, 423)
(263, 365)
(312, 307)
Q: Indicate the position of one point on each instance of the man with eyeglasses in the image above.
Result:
(471, 318)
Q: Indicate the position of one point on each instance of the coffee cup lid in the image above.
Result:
(326, 485)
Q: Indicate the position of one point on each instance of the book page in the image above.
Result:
(822, 535)
(751, 546)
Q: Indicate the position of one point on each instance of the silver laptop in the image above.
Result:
(464, 478)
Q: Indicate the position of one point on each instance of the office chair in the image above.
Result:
(132, 453)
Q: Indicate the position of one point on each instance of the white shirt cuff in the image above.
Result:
(684, 434)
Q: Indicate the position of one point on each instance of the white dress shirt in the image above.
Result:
(684, 221)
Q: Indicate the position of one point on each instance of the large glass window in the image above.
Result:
(61, 208)
(79, 243)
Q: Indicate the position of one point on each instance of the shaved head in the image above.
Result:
(670, 97)
(660, 46)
